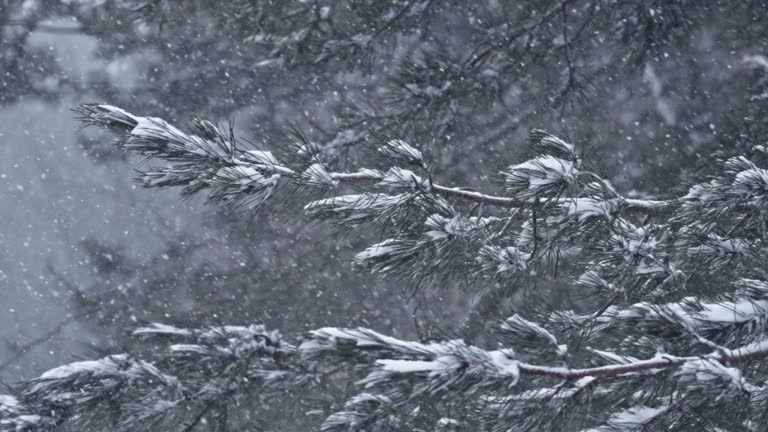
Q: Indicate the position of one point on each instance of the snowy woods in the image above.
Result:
(483, 161)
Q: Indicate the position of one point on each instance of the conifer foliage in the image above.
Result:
(662, 324)
(671, 334)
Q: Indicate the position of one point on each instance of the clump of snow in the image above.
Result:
(503, 364)
(399, 178)
(8, 405)
(584, 208)
(536, 175)
(710, 372)
(441, 227)
(317, 175)
(149, 129)
(445, 422)
(161, 329)
(402, 151)
(451, 367)
(637, 244)
(380, 249)
(354, 209)
(236, 182)
(438, 365)
(27, 422)
(330, 338)
(634, 416)
(107, 366)
(756, 60)
(752, 181)
(503, 259)
(543, 394)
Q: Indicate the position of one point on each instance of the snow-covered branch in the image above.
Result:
(212, 159)
(634, 260)
(196, 367)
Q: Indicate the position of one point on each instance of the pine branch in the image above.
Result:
(403, 370)
(564, 215)
(156, 139)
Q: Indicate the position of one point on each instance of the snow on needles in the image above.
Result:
(399, 150)
(537, 175)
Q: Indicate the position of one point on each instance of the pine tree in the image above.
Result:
(668, 331)
(630, 314)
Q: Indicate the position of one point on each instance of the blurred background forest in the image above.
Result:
(647, 86)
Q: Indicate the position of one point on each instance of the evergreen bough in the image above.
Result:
(668, 331)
